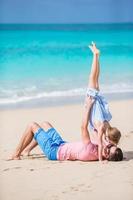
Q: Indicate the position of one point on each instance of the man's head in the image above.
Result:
(113, 153)
(113, 135)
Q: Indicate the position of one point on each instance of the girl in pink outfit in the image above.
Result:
(55, 148)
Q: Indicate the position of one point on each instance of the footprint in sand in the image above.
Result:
(17, 168)
(64, 192)
(55, 197)
(74, 189)
(82, 188)
(129, 134)
(7, 169)
(85, 188)
(31, 169)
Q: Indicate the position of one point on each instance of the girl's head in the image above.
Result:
(113, 135)
(113, 153)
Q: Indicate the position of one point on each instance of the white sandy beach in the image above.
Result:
(36, 178)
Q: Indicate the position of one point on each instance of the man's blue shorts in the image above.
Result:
(49, 141)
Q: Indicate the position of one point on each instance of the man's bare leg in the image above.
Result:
(33, 144)
(46, 125)
(94, 75)
(25, 140)
(30, 147)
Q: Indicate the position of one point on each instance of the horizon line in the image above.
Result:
(66, 23)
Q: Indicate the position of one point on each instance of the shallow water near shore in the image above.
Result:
(40, 64)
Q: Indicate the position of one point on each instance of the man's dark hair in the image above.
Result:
(116, 156)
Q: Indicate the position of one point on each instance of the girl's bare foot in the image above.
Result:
(94, 49)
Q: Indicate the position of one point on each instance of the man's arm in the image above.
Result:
(86, 114)
(100, 142)
(100, 146)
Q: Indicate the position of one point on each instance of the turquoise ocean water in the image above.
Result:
(50, 63)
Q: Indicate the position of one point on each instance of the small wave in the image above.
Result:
(65, 93)
(117, 88)
(25, 97)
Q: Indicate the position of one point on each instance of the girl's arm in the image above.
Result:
(100, 145)
(84, 127)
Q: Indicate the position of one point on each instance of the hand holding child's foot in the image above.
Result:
(94, 49)
(89, 102)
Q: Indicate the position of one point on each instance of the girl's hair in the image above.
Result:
(116, 156)
(114, 134)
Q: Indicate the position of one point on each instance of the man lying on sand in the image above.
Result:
(96, 115)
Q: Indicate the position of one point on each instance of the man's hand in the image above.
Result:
(84, 126)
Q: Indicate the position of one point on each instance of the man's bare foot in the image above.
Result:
(26, 153)
(13, 158)
(94, 49)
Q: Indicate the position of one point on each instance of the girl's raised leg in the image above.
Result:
(95, 70)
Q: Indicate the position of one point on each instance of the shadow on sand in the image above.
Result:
(128, 155)
(34, 156)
